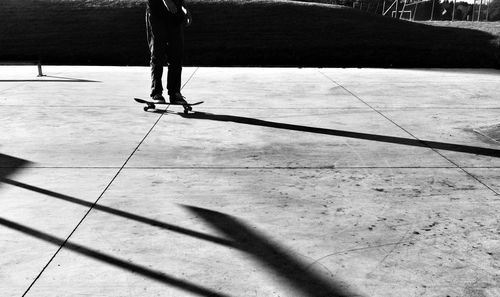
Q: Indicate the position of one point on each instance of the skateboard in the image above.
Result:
(152, 104)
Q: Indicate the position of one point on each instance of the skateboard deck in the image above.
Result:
(152, 104)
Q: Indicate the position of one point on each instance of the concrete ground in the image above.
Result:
(285, 182)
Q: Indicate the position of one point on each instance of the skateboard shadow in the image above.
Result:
(333, 132)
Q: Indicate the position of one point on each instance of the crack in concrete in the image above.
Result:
(353, 250)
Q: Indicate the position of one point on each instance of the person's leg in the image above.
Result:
(157, 40)
(175, 54)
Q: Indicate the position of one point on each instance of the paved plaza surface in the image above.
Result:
(285, 182)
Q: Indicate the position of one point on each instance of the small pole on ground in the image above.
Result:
(39, 64)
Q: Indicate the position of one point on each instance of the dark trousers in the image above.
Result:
(166, 44)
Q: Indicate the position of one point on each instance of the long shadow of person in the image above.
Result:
(350, 134)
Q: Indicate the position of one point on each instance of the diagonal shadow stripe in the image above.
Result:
(271, 255)
(9, 165)
(82, 250)
(374, 137)
(242, 238)
(123, 214)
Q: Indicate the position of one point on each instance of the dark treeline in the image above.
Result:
(235, 32)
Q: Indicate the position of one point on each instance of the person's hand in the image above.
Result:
(189, 18)
(171, 7)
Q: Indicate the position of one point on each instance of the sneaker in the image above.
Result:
(177, 98)
(158, 98)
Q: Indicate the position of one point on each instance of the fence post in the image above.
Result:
(432, 11)
(453, 13)
(479, 13)
(488, 10)
(473, 9)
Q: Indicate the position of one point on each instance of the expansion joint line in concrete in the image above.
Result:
(413, 136)
(90, 209)
(295, 167)
(16, 86)
(97, 200)
(253, 167)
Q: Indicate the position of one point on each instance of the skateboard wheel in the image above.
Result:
(145, 108)
(185, 111)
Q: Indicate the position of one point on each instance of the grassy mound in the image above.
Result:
(236, 32)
